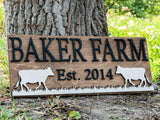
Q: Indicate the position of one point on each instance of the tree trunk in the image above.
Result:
(56, 17)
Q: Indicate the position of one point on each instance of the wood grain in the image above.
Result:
(78, 67)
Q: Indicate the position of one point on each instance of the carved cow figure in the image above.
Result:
(34, 76)
(133, 74)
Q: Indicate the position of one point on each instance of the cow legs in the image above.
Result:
(144, 82)
(131, 82)
(21, 86)
(141, 83)
(45, 86)
(39, 84)
(125, 85)
(27, 87)
(24, 86)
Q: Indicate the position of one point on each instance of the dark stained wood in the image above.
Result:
(80, 66)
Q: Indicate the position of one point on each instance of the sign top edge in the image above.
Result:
(13, 35)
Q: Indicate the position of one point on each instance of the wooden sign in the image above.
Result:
(64, 65)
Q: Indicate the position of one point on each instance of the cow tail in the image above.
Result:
(18, 83)
(147, 79)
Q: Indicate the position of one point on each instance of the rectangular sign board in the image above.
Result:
(67, 65)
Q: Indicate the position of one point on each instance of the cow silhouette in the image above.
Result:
(33, 76)
(133, 74)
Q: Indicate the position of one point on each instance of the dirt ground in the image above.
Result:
(100, 107)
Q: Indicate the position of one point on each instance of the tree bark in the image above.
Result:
(56, 17)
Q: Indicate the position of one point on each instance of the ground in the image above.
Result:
(100, 107)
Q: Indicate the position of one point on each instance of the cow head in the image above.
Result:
(118, 70)
(49, 71)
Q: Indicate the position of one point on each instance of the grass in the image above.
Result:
(4, 56)
(129, 26)
(13, 113)
(54, 109)
(4, 82)
(4, 75)
(9, 114)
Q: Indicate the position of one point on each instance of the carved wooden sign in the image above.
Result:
(63, 65)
